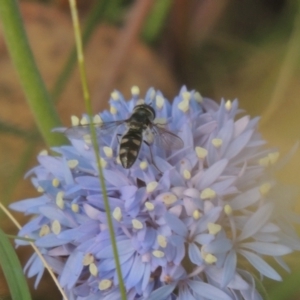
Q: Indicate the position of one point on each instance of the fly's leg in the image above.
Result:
(152, 159)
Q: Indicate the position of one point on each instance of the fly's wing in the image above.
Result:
(168, 139)
(81, 131)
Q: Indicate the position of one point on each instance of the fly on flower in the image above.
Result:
(140, 125)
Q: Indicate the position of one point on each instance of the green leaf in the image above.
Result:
(12, 270)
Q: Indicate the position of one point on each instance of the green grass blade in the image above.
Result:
(37, 96)
(12, 270)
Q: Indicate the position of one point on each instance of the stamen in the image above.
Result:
(93, 269)
(187, 174)
(117, 214)
(273, 157)
(59, 199)
(264, 162)
(87, 139)
(160, 101)
(210, 259)
(151, 186)
(115, 95)
(103, 162)
(162, 241)
(184, 106)
(198, 97)
(149, 206)
(56, 227)
(213, 228)
(208, 194)
(44, 152)
(217, 143)
(108, 152)
(55, 182)
(201, 152)
(88, 259)
(227, 209)
(40, 189)
(168, 198)
(113, 110)
(265, 188)
(105, 284)
(135, 91)
(186, 96)
(75, 121)
(197, 214)
(228, 105)
(97, 120)
(45, 229)
(158, 254)
(143, 165)
(72, 163)
(75, 207)
(137, 224)
(84, 121)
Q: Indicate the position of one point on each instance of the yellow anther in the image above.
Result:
(72, 163)
(217, 143)
(187, 174)
(75, 121)
(108, 151)
(273, 157)
(55, 182)
(56, 227)
(198, 97)
(113, 110)
(186, 96)
(137, 224)
(264, 162)
(151, 186)
(208, 194)
(210, 259)
(115, 95)
(184, 106)
(105, 284)
(117, 214)
(143, 165)
(75, 207)
(201, 152)
(84, 120)
(135, 90)
(93, 269)
(265, 188)
(197, 214)
(227, 209)
(97, 120)
(213, 228)
(162, 241)
(158, 253)
(43, 152)
(40, 189)
(88, 259)
(228, 105)
(168, 198)
(59, 200)
(149, 206)
(45, 229)
(160, 101)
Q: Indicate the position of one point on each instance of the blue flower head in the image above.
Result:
(190, 223)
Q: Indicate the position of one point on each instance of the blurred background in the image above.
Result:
(247, 49)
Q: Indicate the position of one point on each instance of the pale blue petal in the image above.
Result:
(176, 224)
(267, 248)
(124, 247)
(282, 263)
(136, 273)
(24, 205)
(256, 221)
(195, 254)
(245, 199)
(50, 240)
(162, 292)
(208, 291)
(229, 268)
(72, 270)
(260, 265)
(219, 245)
(213, 173)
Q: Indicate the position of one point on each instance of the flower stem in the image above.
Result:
(88, 106)
(37, 96)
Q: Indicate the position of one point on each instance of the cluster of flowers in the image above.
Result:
(197, 229)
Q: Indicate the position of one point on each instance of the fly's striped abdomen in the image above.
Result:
(130, 147)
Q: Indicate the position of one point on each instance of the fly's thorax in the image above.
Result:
(143, 114)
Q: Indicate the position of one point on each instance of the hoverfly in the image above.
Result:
(138, 124)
